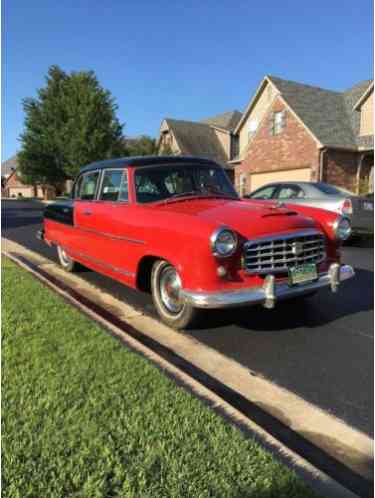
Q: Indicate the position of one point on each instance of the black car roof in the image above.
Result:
(144, 161)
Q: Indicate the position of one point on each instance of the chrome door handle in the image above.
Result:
(87, 212)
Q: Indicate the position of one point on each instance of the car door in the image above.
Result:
(306, 195)
(85, 204)
(113, 246)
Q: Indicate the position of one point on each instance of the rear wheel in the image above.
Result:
(166, 287)
(65, 261)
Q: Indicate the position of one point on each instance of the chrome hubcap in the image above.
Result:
(170, 286)
(64, 257)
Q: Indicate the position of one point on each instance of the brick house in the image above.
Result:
(12, 185)
(291, 131)
(212, 138)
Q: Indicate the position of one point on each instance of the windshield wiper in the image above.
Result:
(221, 194)
(185, 194)
(200, 193)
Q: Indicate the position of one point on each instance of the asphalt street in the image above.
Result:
(321, 349)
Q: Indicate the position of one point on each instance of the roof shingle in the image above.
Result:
(8, 166)
(329, 115)
(227, 121)
(197, 139)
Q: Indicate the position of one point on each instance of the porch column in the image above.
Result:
(359, 169)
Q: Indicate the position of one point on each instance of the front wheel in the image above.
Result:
(166, 287)
(65, 261)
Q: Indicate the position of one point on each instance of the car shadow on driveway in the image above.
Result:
(354, 296)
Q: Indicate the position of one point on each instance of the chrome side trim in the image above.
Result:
(269, 293)
(100, 262)
(109, 235)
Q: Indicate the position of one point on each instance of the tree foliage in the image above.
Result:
(70, 123)
(141, 146)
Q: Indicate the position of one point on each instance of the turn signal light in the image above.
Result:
(347, 207)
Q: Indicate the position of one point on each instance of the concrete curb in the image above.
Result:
(301, 416)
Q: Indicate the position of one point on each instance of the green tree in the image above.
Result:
(144, 146)
(141, 146)
(70, 123)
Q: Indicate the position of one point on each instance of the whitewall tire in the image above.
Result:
(165, 288)
(65, 261)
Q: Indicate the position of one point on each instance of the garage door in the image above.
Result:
(289, 175)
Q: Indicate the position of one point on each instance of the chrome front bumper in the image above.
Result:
(270, 292)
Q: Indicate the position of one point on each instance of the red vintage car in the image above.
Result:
(176, 227)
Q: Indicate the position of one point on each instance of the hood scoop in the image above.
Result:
(279, 212)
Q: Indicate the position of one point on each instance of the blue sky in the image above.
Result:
(186, 60)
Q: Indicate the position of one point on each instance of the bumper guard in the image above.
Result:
(270, 292)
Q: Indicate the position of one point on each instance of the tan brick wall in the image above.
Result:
(293, 148)
(224, 139)
(260, 107)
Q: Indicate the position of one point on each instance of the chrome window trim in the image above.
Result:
(96, 188)
(103, 172)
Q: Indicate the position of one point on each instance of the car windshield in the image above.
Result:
(157, 183)
(331, 190)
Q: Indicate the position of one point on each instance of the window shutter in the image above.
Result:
(272, 123)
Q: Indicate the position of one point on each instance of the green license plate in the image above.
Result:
(302, 274)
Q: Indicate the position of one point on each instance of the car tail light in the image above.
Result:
(347, 207)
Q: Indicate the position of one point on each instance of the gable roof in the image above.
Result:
(227, 120)
(328, 114)
(197, 139)
(364, 96)
(8, 166)
(322, 111)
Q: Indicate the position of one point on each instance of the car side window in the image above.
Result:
(264, 193)
(77, 187)
(87, 186)
(114, 186)
(290, 192)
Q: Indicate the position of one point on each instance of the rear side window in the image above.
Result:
(264, 193)
(290, 192)
(114, 186)
(87, 186)
(327, 189)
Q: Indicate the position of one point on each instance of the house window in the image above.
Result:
(253, 125)
(277, 122)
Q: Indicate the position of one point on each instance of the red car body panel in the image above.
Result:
(115, 238)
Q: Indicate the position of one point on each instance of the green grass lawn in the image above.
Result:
(85, 417)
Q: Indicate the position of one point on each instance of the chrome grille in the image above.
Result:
(277, 254)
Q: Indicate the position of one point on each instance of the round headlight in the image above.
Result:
(223, 242)
(342, 228)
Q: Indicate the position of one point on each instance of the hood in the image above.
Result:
(249, 218)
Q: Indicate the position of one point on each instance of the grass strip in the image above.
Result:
(84, 417)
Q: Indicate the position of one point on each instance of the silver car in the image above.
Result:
(360, 210)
